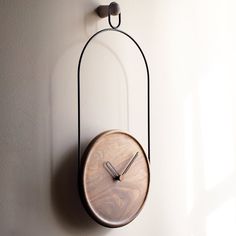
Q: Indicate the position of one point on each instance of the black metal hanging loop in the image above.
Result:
(109, 17)
(114, 29)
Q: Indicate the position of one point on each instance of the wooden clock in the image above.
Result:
(115, 178)
(114, 173)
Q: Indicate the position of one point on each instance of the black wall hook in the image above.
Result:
(108, 10)
(103, 10)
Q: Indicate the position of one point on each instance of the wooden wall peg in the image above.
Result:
(102, 10)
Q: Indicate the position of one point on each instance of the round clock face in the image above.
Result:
(115, 178)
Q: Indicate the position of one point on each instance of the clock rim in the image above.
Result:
(84, 199)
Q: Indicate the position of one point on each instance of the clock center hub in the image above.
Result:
(120, 178)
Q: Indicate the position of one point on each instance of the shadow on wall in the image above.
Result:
(65, 197)
(65, 200)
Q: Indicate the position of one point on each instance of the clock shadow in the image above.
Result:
(65, 198)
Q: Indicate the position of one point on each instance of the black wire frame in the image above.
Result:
(148, 86)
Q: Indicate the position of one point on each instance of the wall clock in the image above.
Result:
(115, 178)
(114, 173)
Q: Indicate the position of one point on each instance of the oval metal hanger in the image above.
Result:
(115, 29)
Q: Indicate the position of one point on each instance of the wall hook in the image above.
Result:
(108, 10)
(103, 10)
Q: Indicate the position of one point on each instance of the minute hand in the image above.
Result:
(129, 164)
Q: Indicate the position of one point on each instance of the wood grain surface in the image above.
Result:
(110, 202)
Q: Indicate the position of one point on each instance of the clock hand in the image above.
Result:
(111, 169)
(129, 164)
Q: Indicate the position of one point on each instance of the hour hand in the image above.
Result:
(111, 169)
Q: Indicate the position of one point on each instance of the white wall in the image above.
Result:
(190, 46)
